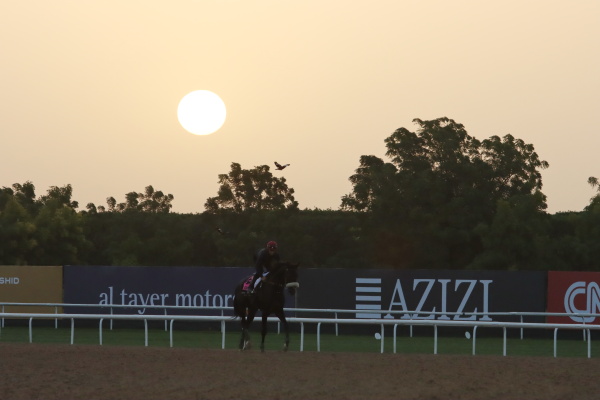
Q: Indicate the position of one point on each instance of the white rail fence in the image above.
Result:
(468, 320)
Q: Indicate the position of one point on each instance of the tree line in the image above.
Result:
(442, 200)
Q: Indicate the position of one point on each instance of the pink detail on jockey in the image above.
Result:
(246, 284)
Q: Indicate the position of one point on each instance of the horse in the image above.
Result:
(269, 298)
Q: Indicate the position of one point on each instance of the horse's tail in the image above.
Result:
(237, 311)
(238, 307)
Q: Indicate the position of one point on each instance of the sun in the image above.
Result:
(201, 112)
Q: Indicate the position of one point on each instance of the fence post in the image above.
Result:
(319, 337)
(146, 332)
(301, 336)
(100, 330)
(336, 325)
(171, 333)
(555, 333)
(589, 333)
(222, 332)
(382, 333)
(395, 327)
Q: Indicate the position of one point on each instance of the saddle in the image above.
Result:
(246, 285)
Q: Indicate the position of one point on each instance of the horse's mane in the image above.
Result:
(278, 273)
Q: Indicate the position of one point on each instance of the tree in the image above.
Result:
(154, 201)
(150, 201)
(441, 183)
(513, 167)
(24, 194)
(516, 239)
(254, 189)
(61, 194)
(371, 181)
(59, 235)
(16, 233)
(595, 200)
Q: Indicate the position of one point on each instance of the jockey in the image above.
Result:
(265, 258)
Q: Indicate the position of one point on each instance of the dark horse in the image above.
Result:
(269, 298)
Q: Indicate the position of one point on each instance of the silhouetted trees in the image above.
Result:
(447, 200)
(443, 200)
(150, 201)
(40, 231)
(251, 189)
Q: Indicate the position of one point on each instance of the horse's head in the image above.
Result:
(291, 278)
(284, 274)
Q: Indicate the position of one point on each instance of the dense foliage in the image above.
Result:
(444, 200)
(251, 190)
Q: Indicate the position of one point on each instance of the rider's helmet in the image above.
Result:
(272, 245)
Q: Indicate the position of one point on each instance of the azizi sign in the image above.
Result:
(440, 298)
(574, 292)
(458, 295)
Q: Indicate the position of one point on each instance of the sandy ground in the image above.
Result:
(56, 371)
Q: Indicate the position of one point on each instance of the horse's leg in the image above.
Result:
(244, 334)
(251, 312)
(263, 331)
(281, 316)
(246, 340)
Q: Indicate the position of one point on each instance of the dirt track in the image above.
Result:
(36, 371)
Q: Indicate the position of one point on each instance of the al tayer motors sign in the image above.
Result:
(574, 292)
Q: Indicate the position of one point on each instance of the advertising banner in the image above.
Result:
(30, 284)
(417, 294)
(413, 294)
(151, 286)
(574, 292)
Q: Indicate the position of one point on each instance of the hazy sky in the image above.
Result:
(89, 89)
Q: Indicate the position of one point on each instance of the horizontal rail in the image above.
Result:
(381, 322)
(410, 315)
(314, 310)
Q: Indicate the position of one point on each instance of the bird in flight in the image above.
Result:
(279, 166)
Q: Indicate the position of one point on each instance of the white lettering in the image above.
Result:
(106, 298)
(12, 280)
(593, 298)
(183, 300)
(486, 298)
(398, 299)
(198, 300)
(217, 300)
(430, 283)
(141, 299)
(402, 301)
(575, 289)
(592, 292)
(461, 307)
(207, 295)
(444, 283)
